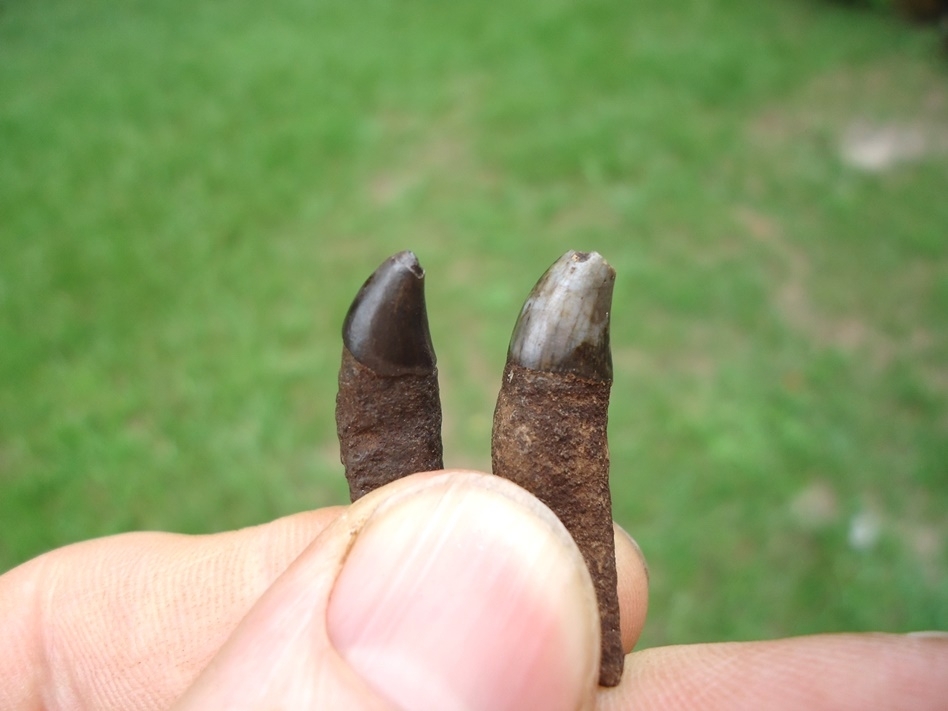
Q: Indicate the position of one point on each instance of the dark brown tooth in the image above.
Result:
(386, 328)
(388, 409)
(549, 431)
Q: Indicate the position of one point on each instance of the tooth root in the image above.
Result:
(549, 433)
(388, 408)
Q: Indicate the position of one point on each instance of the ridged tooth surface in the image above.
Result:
(386, 328)
(564, 324)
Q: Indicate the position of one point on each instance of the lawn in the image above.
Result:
(192, 193)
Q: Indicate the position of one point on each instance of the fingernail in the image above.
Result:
(458, 597)
(636, 547)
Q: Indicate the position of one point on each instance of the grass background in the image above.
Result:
(191, 194)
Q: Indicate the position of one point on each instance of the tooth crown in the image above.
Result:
(564, 324)
(386, 328)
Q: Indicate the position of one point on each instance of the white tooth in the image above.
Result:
(567, 310)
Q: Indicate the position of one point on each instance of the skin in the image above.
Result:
(292, 614)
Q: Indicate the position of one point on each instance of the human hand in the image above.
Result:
(446, 590)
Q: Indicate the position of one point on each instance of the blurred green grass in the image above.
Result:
(191, 195)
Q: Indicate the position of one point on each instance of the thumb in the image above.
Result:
(453, 591)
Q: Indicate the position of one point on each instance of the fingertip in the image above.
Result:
(467, 593)
(632, 571)
(842, 672)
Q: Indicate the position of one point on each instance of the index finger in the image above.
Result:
(823, 672)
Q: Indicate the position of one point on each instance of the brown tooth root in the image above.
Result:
(388, 409)
(549, 432)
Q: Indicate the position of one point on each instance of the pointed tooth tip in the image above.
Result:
(564, 323)
(386, 328)
(407, 260)
(593, 263)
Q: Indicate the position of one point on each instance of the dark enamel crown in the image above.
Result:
(386, 328)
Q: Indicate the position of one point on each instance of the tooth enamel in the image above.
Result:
(386, 328)
(564, 324)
